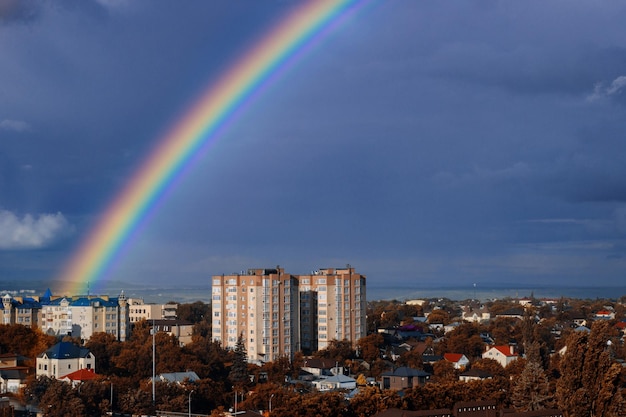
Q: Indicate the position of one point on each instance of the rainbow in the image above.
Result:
(198, 126)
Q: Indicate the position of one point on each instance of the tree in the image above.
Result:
(196, 312)
(531, 390)
(330, 404)
(411, 358)
(588, 385)
(369, 347)
(371, 400)
(337, 350)
(24, 340)
(444, 371)
(239, 370)
(104, 347)
(60, 400)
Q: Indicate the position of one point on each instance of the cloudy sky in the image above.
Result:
(421, 142)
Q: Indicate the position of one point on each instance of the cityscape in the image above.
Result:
(312, 208)
(270, 339)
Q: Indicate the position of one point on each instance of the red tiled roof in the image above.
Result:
(82, 375)
(505, 350)
(452, 357)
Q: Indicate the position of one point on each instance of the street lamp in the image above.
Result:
(271, 396)
(190, 392)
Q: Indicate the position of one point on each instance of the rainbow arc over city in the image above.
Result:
(198, 127)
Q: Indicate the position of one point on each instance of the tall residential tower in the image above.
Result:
(278, 314)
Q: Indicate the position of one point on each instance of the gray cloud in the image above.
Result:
(31, 232)
(19, 11)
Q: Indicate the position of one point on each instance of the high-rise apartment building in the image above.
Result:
(277, 313)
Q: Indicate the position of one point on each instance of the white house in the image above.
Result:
(459, 360)
(335, 382)
(503, 354)
(64, 358)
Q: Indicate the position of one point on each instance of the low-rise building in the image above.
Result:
(139, 310)
(504, 354)
(404, 377)
(64, 358)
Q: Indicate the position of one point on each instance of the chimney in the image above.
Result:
(512, 347)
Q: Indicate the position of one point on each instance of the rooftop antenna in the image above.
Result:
(87, 288)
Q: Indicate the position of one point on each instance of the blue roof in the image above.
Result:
(66, 350)
(86, 302)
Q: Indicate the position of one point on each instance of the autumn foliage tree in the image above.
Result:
(531, 391)
(589, 382)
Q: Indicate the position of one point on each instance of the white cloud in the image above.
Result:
(617, 85)
(31, 232)
(14, 125)
(600, 91)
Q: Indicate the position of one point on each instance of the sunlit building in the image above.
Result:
(277, 313)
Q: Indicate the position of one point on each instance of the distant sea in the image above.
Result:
(485, 292)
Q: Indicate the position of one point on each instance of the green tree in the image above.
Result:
(238, 374)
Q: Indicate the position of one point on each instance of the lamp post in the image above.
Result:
(190, 392)
(271, 396)
(111, 397)
(153, 364)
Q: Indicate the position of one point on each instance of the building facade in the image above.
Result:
(79, 316)
(139, 310)
(278, 314)
(64, 358)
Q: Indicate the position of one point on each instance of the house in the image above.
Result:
(431, 359)
(459, 360)
(177, 377)
(64, 358)
(396, 351)
(474, 375)
(404, 377)
(513, 313)
(475, 315)
(503, 354)
(11, 380)
(319, 367)
(335, 382)
(13, 372)
(604, 315)
(80, 376)
(180, 329)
